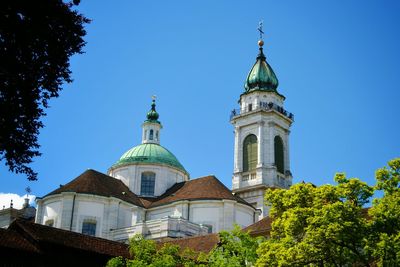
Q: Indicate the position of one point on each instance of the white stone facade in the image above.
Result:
(69, 210)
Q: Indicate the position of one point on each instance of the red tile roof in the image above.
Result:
(260, 228)
(39, 235)
(203, 243)
(12, 240)
(203, 188)
(96, 183)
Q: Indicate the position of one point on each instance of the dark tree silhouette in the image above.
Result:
(37, 38)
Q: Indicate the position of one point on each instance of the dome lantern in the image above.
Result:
(151, 127)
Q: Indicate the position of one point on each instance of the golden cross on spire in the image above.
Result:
(153, 97)
(260, 29)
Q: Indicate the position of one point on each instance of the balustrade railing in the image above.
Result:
(248, 175)
(262, 106)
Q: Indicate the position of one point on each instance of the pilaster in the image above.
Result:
(68, 207)
(261, 144)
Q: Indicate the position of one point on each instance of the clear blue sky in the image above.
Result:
(337, 63)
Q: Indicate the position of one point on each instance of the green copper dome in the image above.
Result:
(150, 153)
(261, 76)
(152, 115)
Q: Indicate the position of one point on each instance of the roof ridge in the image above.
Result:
(203, 177)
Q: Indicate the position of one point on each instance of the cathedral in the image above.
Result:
(147, 190)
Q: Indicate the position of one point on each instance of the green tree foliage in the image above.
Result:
(37, 38)
(328, 226)
(236, 248)
(145, 253)
(384, 241)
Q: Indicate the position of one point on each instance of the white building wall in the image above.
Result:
(52, 211)
(243, 216)
(123, 174)
(165, 176)
(209, 214)
(158, 213)
(109, 213)
(220, 214)
(90, 210)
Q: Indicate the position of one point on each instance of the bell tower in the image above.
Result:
(262, 127)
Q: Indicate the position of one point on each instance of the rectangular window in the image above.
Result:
(89, 228)
(147, 184)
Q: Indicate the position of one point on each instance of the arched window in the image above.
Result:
(147, 184)
(89, 227)
(279, 156)
(156, 135)
(151, 134)
(250, 153)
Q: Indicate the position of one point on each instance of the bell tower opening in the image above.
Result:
(250, 150)
(278, 154)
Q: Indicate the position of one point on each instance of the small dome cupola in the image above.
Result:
(261, 76)
(151, 126)
(152, 115)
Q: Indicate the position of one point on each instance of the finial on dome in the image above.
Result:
(260, 29)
